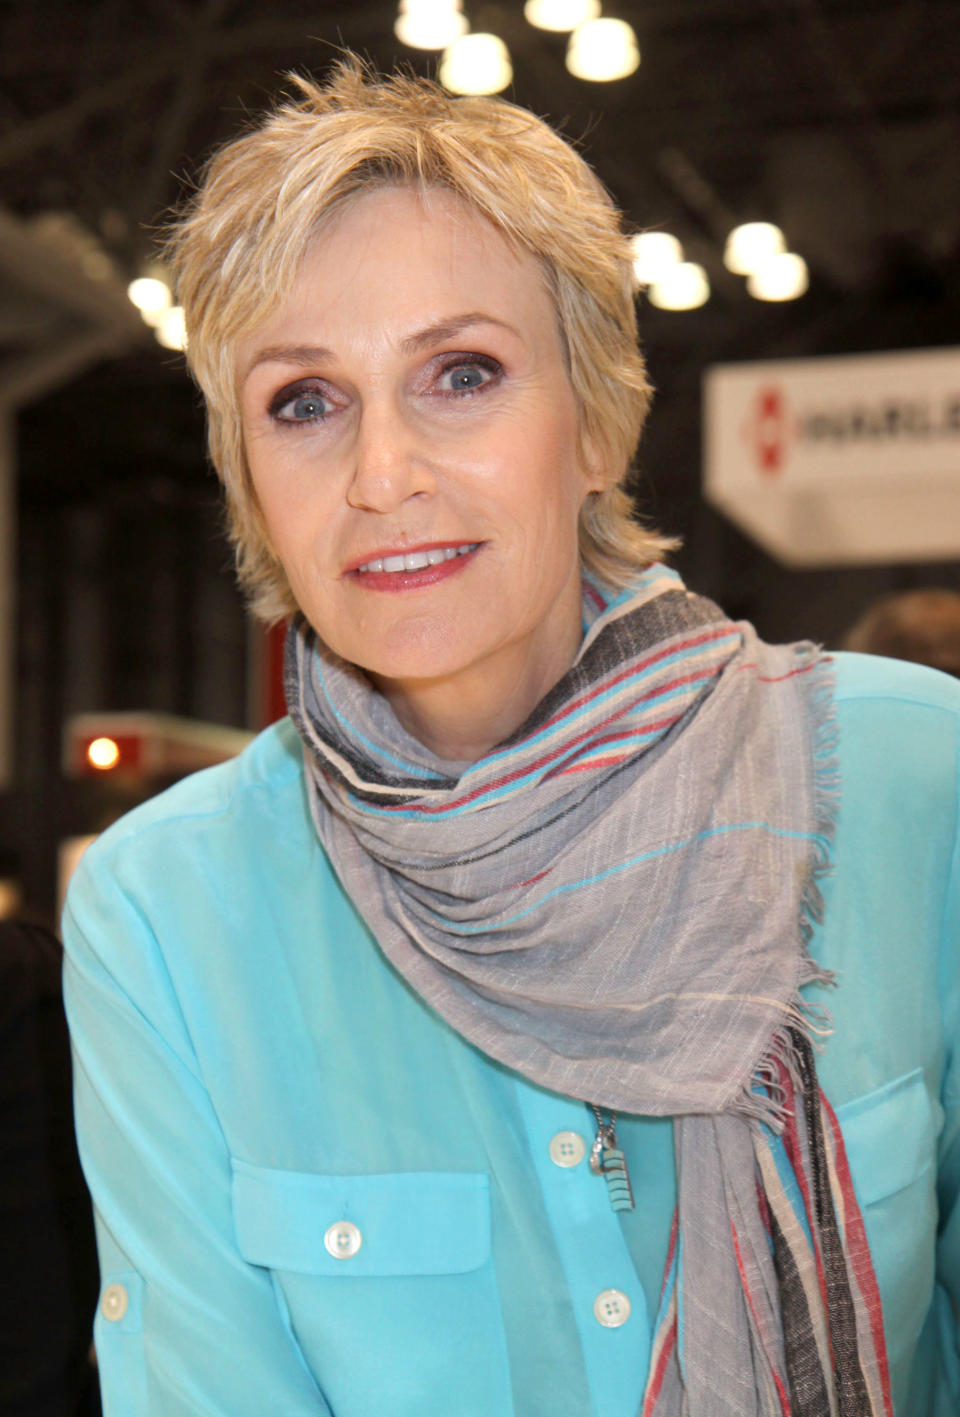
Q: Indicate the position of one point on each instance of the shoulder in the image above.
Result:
(898, 729)
(213, 821)
(892, 896)
(870, 679)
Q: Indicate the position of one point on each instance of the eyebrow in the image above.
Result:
(447, 329)
(307, 354)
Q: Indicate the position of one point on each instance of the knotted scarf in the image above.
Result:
(617, 902)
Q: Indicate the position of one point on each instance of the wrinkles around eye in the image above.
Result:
(469, 375)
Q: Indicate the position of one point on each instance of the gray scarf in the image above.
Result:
(616, 903)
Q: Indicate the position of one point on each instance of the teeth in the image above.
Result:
(418, 560)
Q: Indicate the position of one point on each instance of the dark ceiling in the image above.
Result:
(836, 118)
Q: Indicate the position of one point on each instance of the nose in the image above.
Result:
(389, 464)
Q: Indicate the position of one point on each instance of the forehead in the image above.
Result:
(434, 218)
(396, 252)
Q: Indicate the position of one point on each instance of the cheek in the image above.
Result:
(288, 504)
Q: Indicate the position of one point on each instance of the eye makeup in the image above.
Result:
(451, 364)
(305, 392)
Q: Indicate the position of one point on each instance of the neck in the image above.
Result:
(462, 717)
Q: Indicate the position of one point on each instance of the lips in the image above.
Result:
(393, 559)
(411, 569)
(416, 560)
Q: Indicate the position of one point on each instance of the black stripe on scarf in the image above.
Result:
(808, 1391)
(852, 1395)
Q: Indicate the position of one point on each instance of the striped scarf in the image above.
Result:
(616, 903)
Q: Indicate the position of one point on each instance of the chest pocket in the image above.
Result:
(890, 1136)
(407, 1223)
(387, 1282)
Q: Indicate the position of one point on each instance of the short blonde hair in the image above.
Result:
(238, 248)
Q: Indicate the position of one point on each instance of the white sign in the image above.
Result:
(842, 460)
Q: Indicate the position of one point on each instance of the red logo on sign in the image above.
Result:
(768, 429)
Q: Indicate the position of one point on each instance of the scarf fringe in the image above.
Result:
(763, 1100)
(822, 714)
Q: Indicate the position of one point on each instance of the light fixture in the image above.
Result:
(151, 296)
(681, 287)
(476, 64)
(170, 331)
(750, 245)
(560, 15)
(654, 252)
(429, 24)
(602, 50)
(782, 277)
(103, 753)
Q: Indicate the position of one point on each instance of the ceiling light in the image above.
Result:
(750, 245)
(654, 252)
(560, 15)
(170, 331)
(151, 296)
(429, 24)
(602, 50)
(475, 64)
(782, 277)
(681, 287)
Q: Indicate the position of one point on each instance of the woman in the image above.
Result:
(450, 1050)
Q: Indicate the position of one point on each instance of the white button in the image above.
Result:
(343, 1240)
(113, 1305)
(567, 1149)
(611, 1308)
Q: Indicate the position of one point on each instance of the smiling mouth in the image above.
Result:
(415, 560)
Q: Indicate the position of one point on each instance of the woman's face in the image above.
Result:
(412, 438)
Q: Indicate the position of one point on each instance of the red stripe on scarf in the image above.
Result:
(858, 1249)
(533, 767)
(626, 737)
(635, 666)
(778, 678)
(656, 1379)
(595, 596)
(674, 1230)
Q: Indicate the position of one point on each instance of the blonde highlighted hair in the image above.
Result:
(238, 248)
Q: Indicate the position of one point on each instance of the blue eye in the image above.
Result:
(465, 376)
(300, 406)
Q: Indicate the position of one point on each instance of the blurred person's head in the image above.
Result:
(922, 626)
(268, 197)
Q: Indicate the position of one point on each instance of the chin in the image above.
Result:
(418, 653)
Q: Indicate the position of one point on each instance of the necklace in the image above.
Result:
(607, 1160)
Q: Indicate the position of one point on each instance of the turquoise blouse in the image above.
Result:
(313, 1197)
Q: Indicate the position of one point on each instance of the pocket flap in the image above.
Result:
(408, 1222)
(889, 1135)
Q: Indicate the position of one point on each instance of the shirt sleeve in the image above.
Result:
(948, 1246)
(185, 1325)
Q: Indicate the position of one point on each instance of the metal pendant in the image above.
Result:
(607, 1160)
